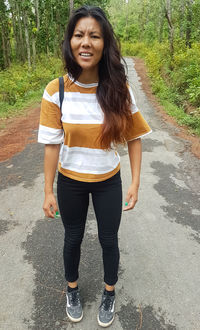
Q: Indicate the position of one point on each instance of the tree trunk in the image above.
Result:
(71, 6)
(22, 51)
(35, 33)
(27, 38)
(4, 47)
(15, 29)
(161, 24)
(168, 16)
(58, 31)
(37, 15)
(181, 19)
(126, 27)
(189, 23)
(34, 51)
(15, 33)
(5, 35)
(142, 18)
(8, 50)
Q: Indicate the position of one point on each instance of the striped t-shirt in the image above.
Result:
(77, 127)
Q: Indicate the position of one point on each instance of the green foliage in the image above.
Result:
(176, 81)
(181, 73)
(146, 20)
(18, 85)
(192, 121)
(134, 49)
(143, 29)
(186, 74)
(100, 3)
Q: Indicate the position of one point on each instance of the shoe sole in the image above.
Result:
(104, 325)
(74, 320)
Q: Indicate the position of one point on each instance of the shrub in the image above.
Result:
(18, 80)
(133, 49)
(186, 74)
(18, 83)
(175, 79)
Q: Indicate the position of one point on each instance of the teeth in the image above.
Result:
(85, 54)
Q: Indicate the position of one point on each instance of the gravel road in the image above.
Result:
(159, 278)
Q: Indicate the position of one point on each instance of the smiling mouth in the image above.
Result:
(85, 54)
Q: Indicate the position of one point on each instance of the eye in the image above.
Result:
(78, 35)
(95, 37)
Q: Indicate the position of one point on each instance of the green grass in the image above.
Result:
(21, 88)
(192, 122)
(172, 88)
(8, 111)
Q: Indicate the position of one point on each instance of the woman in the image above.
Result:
(98, 113)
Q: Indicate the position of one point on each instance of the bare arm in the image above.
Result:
(135, 156)
(51, 156)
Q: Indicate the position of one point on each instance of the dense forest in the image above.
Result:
(29, 28)
(166, 33)
(157, 20)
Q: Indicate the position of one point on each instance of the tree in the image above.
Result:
(189, 4)
(71, 6)
(168, 15)
(20, 29)
(5, 36)
(156, 20)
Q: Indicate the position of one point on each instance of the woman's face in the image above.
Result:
(87, 43)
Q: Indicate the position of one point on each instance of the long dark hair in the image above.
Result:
(112, 91)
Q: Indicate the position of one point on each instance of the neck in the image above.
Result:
(88, 77)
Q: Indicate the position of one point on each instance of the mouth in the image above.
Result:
(83, 54)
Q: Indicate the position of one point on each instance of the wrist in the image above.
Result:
(48, 191)
(135, 184)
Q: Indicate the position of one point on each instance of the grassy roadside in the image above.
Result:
(176, 84)
(177, 89)
(21, 88)
(20, 107)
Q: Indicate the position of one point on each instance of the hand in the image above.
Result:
(50, 206)
(131, 198)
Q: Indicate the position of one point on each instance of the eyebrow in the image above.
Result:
(93, 32)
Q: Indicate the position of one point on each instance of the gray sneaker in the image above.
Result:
(106, 310)
(73, 308)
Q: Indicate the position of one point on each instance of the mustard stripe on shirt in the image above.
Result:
(77, 126)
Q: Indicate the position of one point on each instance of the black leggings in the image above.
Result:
(73, 200)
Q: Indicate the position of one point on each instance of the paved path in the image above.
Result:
(159, 278)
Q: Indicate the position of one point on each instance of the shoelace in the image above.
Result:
(74, 298)
(107, 303)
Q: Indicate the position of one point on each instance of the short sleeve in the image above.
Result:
(50, 128)
(139, 127)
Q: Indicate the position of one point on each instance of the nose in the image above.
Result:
(86, 41)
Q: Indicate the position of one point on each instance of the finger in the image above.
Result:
(127, 199)
(49, 214)
(48, 211)
(126, 203)
(130, 205)
(55, 207)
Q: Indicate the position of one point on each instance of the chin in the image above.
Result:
(86, 67)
